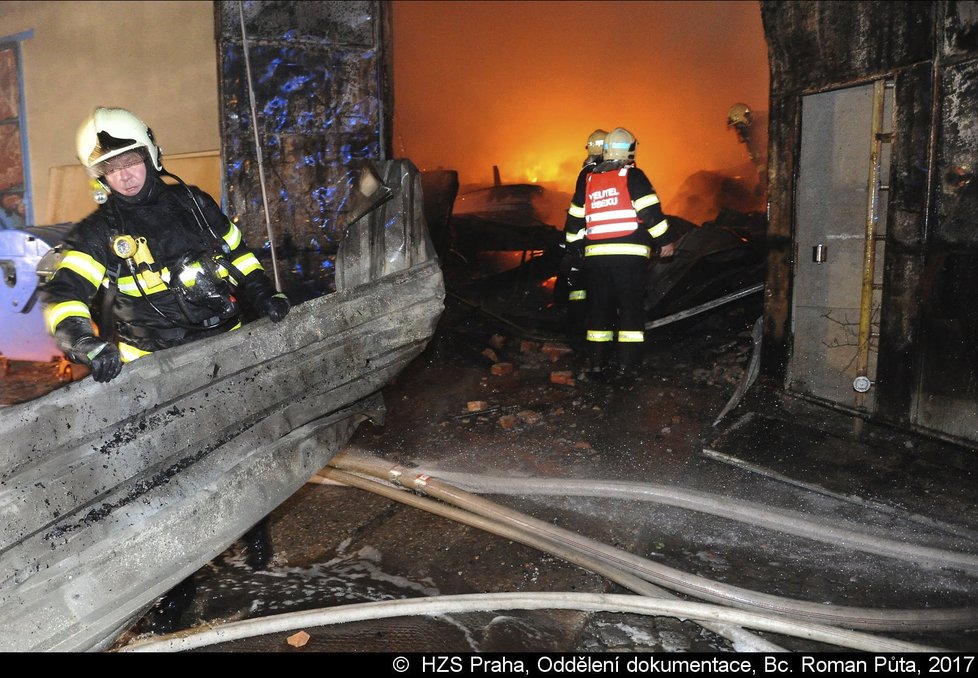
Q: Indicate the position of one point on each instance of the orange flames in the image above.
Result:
(521, 85)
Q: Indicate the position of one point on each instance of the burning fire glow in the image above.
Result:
(521, 85)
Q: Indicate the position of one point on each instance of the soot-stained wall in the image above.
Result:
(321, 81)
(927, 373)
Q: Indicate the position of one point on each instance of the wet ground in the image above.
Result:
(335, 545)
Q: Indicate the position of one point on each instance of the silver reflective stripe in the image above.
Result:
(612, 214)
(622, 227)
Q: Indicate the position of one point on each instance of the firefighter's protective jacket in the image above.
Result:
(615, 212)
(148, 314)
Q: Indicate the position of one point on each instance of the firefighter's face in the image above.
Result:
(127, 180)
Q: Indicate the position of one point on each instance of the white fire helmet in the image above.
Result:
(739, 115)
(619, 144)
(595, 142)
(111, 132)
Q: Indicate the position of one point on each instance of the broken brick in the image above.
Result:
(298, 639)
(530, 417)
(556, 351)
(509, 421)
(476, 405)
(497, 341)
(529, 346)
(489, 353)
(582, 446)
(565, 377)
(502, 368)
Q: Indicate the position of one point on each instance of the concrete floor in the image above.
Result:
(337, 545)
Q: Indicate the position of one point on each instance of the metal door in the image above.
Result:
(840, 227)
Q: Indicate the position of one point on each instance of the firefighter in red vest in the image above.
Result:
(617, 222)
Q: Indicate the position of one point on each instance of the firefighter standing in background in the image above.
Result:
(572, 266)
(741, 118)
(173, 265)
(617, 221)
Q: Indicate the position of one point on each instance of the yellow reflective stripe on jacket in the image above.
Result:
(600, 335)
(223, 272)
(233, 236)
(574, 237)
(617, 248)
(55, 313)
(129, 352)
(645, 201)
(631, 336)
(577, 295)
(150, 282)
(247, 263)
(576, 211)
(84, 265)
(659, 229)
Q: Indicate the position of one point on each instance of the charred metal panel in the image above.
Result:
(960, 29)
(902, 269)
(784, 140)
(320, 76)
(957, 159)
(390, 238)
(813, 45)
(948, 399)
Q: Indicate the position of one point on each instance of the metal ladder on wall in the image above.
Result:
(862, 382)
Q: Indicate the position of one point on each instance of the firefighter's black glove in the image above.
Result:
(75, 338)
(573, 260)
(101, 356)
(276, 307)
(576, 255)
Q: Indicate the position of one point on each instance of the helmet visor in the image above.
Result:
(119, 162)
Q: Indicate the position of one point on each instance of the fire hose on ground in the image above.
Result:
(781, 520)
(717, 618)
(699, 587)
(509, 524)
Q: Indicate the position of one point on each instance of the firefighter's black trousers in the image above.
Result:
(616, 310)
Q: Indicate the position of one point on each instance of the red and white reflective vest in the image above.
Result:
(608, 210)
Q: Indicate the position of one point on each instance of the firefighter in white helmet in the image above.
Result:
(572, 265)
(174, 268)
(617, 222)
